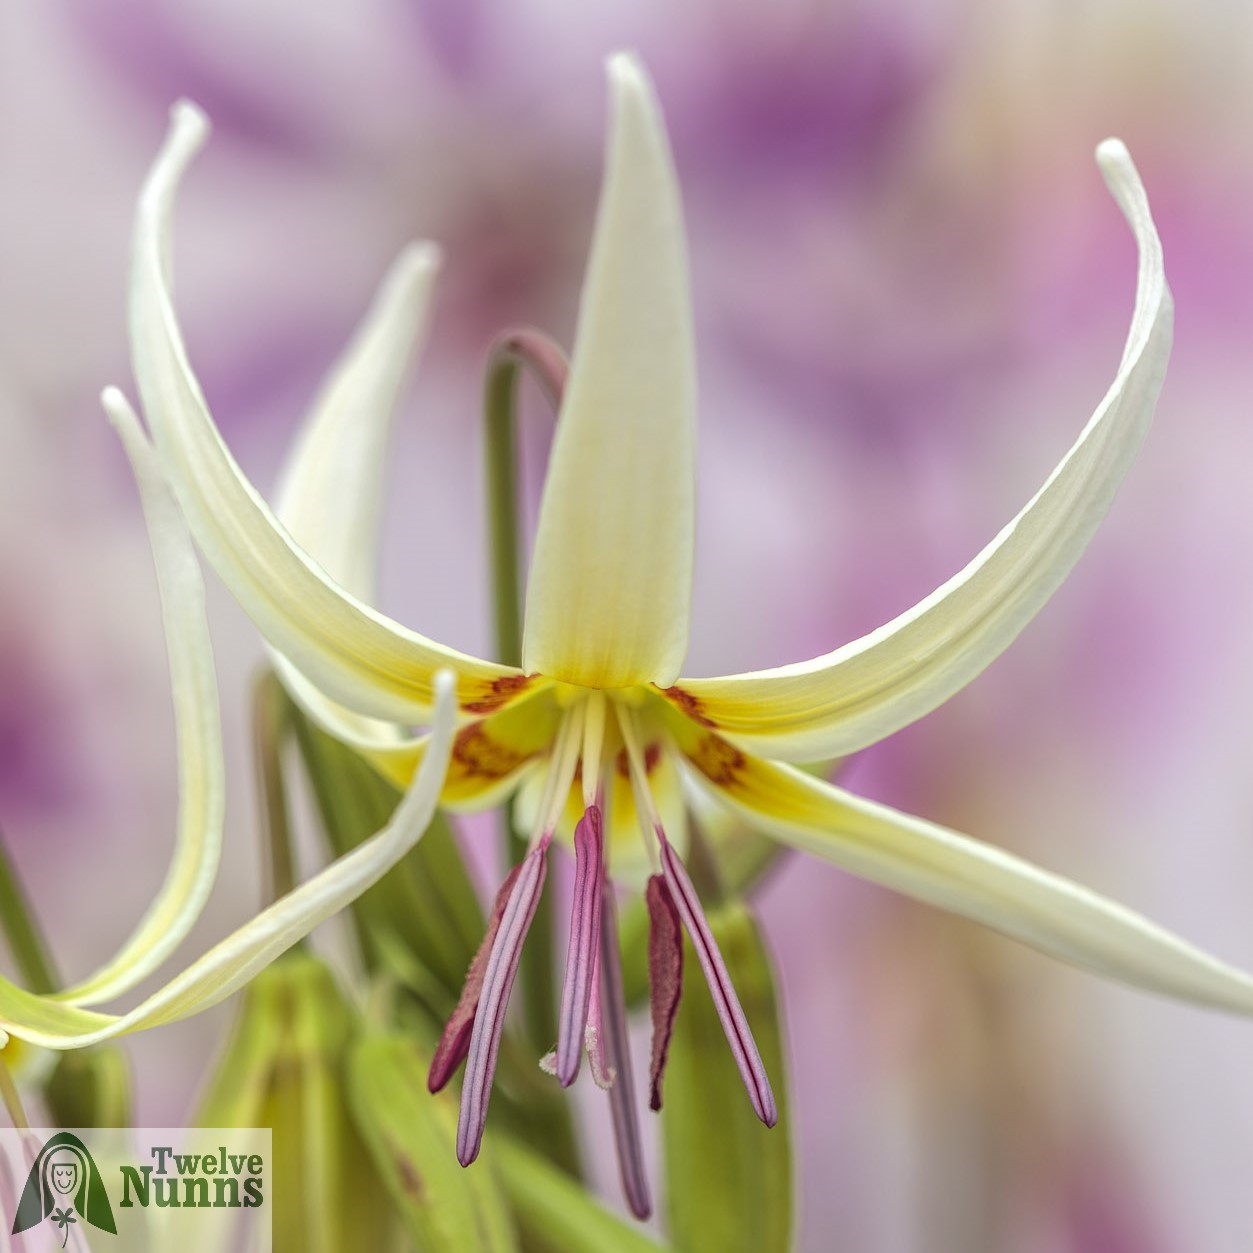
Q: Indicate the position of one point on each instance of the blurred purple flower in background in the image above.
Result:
(888, 336)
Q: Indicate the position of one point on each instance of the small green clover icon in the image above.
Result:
(63, 1218)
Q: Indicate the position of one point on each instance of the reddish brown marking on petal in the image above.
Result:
(691, 705)
(499, 693)
(718, 761)
(652, 755)
(665, 977)
(481, 756)
(454, 1044)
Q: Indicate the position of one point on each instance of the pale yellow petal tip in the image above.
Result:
(1123, 180)
(628, 77)
(1116, 163)
(1112, 152)
(625, 67)
(418, 259)
(118, 409)
(411, 274)
(189, 121)
(189, 128)
(637, 127)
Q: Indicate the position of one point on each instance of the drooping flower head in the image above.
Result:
(596, 729)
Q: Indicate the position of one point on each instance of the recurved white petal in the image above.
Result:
(201, 781)
(230, 964)
(610, 584)
(858, 694)
(349, 650)
(330, 497)
(955, 872)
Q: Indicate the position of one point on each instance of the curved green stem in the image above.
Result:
(540, 357)
(543, 359)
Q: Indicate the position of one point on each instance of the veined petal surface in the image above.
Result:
(230, 964)
(201, 773)
(609, 592)
(981, 882)
(330, 497)
(858, 694)
(490, 756)
(356, 655)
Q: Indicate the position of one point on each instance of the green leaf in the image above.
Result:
(555, 1213)
(427, 902)
(633, 946)
(283, 1068)
(412, 1138)
(728, 1178)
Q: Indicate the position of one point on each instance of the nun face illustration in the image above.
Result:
(63, 1174)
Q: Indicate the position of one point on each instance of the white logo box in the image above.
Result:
(136, 1190)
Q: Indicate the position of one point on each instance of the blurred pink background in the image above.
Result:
(912, 290)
